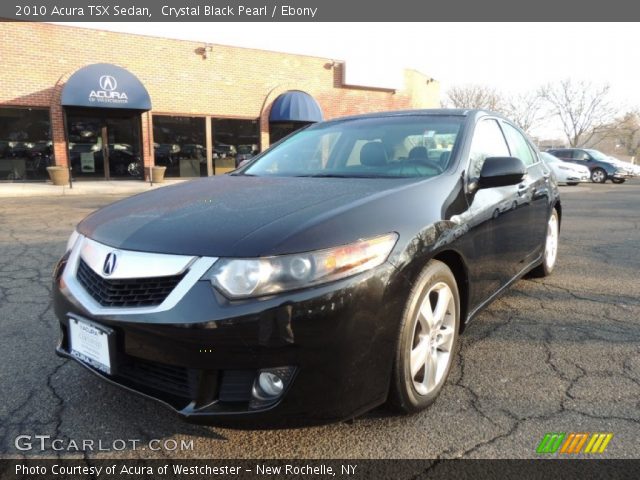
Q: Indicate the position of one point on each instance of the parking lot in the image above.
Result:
(560, 354)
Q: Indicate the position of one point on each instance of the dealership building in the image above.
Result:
(112, 105)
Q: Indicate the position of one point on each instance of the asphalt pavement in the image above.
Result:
(560, 354)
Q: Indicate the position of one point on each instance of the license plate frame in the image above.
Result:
(92, 343)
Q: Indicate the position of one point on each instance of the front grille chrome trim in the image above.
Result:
(70, 286)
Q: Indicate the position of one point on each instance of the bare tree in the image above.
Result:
(525, 110)
(474, 96)
(584, 109)
(625, 133)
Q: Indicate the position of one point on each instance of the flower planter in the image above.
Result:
(157, 174)
(58, 175)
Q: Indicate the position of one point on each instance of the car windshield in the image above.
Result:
(599, 155)
(382, 147)
(548, 157)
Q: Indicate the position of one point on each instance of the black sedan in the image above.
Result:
(331, 274)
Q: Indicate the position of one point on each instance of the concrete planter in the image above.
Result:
(157, 174)
(59, 175)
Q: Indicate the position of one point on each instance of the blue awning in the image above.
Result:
(103, 85)
(295, 106)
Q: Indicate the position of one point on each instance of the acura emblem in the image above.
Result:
(107, 82)
(110, 263)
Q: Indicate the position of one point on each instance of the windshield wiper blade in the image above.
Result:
(343, 175)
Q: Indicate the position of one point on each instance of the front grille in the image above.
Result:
(157, 376)
(129, 292)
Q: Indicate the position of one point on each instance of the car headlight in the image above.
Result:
(254, 277)
(72, 240)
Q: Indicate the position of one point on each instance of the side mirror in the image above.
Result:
(501, 171)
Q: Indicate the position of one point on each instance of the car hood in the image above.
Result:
(241, 216)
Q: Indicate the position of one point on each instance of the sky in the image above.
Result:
(511, 57)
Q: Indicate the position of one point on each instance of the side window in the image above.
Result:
(580, 155)
(488, 141)
(518, 145)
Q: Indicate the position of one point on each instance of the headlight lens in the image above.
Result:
(72, 240)
(254, 277)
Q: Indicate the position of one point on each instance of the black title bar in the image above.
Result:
(317, 11)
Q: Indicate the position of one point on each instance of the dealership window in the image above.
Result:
(25, 144)
(180, 145)
(233, 142)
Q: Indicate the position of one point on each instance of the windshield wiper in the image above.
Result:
(343, 175)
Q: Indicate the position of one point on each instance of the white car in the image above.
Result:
(566, 172)
(628, 167)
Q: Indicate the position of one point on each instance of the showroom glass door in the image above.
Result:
(104, 144)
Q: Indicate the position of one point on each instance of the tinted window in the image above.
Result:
(233, 141)
(25, 144)
(561, 153)
(401, 146)
(180, 145)
(488, 141)
(580, 155)
(518, 145)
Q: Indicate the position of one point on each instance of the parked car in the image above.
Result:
(598, 163)
(565, 172)
(121, 162)
(222, 150)
(331, 274)
(629, 168)
(245, 153)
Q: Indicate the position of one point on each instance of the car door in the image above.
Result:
(533, 201)
(580, 157)
(492, 218)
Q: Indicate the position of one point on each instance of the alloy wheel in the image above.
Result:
(598, 176)
(433, 339)
(551, 245)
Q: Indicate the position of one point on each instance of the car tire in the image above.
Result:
(550, 254)
(598, 175)
(618, 180)
(427, 344)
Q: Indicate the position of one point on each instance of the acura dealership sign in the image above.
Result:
(107, 92)
(103, 85)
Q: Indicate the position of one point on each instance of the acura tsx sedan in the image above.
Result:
(331, 274)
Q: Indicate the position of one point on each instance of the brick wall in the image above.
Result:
(236, 82)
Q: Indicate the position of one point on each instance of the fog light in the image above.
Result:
(269, 386)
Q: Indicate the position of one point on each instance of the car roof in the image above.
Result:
(458, 112)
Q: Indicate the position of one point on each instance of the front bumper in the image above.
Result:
(202, 356)
(571, 177)
(620, 175)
